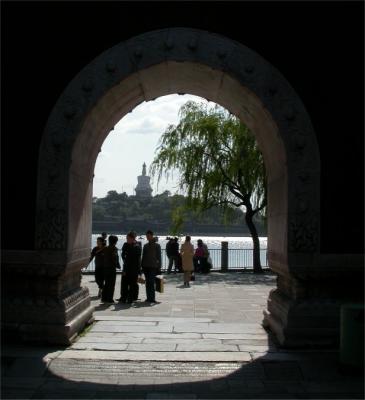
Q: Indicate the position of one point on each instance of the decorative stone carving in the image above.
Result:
(138, 52)
(51, 232)
(290, 113)
(221, 53)
(74, 297)
(110, 66)
(192, 45)
(70, 112)
(303, 232)
(300, 141)
(88, 85)
(169, 44)
(273, 90)
(303, 176)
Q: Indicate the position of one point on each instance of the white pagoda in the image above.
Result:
(143, 188)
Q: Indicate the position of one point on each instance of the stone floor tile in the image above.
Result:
(99, 316)
(152, 347)
(24, 383)
(201, 346)
(126, 323)
(155, 356)
(112, 339)
(161, 327)
(244, 336)
(19, 393)
(255, 348)
(334, 387)
(186, 341)
(280, 370)
(158, 395)
(99, 346)
(26, 367)
(159, 335)
(245, 342)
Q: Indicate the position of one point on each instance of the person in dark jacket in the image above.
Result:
(151, 265)
(98, 253)
(111, 264)
(131, 256)
(172, 252)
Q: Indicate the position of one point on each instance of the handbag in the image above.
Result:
(160, 283)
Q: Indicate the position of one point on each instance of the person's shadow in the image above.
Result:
(135, 304)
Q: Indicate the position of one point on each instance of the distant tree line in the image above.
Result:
(162, 208)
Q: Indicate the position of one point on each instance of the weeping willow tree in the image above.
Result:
(219, 164)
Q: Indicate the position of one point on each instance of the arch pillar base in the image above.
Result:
(307, 323)
(41, 302)
(61, 334)
(304, 309)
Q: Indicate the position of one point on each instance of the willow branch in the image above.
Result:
(228, 179)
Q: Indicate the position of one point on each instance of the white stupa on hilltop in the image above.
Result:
(143, 188)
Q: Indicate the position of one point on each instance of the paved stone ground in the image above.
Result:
(230, 297)
(203, 342)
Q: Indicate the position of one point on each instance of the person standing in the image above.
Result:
(131, 256)
(111, 264)
(187, 254)
(172, 252)
(151, 264)
(169, 254)
(201, 257)
(205, 266)
(98, 253)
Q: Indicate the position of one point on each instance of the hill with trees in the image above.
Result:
(120, 212)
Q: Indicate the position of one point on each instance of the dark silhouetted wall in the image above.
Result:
(318, 47)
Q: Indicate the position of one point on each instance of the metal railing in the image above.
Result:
(238, 259)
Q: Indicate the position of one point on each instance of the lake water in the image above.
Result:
(213, 242)
(240, 254)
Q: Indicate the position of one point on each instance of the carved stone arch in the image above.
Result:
(182, 60)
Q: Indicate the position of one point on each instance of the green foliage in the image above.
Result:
(162, 208)
(218, 159)
(219, 162)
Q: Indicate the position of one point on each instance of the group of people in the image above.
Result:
(200, 257)
(147, 261)
(135, 261)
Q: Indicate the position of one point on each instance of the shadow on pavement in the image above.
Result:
(33, 372)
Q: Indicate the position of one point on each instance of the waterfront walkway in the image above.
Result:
(200, 342)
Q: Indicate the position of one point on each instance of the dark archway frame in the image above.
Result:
(180, 60)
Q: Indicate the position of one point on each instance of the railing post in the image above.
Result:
(224, 256)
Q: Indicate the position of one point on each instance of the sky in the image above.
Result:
(133, 142)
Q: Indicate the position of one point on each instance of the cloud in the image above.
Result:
(154, 116)
(99, 180)
(133, 141)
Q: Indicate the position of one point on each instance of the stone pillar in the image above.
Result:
(224, 256)
(42, 300)
(304, 309)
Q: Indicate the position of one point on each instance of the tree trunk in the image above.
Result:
(255, 239)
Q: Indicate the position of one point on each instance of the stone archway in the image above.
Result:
(178, 60)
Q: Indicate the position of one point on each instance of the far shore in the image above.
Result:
(209, 234)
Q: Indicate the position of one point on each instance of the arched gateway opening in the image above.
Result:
(145, 67)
